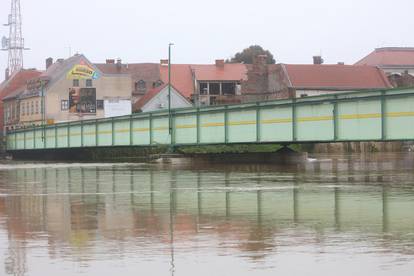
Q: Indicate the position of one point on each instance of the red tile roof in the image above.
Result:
(147, 97)
(336, 77)
(391, 56)
(16, 81)
(182, 75)
(181, 78)
(137, 70)
(151, 94)
(229, 72)
(148, 72)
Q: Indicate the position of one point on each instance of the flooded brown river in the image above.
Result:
(334, 215)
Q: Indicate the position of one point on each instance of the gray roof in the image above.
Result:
(60, 68)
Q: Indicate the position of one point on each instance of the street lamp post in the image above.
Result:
(169, 90)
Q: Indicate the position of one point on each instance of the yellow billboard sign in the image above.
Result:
(82, 71)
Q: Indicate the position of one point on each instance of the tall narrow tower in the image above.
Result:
(14, 44)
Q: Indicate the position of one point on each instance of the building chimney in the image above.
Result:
(110, 61)
(164, 62)
(119, 64)
(317, 60)
(60, 60)
(220, 63)
(6, 74)
(341, 63)
(49, 62)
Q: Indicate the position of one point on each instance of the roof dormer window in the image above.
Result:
(140, 86)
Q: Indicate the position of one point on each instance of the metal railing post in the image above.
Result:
(198, 125)
(258, 123)
(294, 120)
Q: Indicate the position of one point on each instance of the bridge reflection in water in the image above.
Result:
(87, 213)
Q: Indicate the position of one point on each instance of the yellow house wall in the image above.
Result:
(107, 87)
(29, 118)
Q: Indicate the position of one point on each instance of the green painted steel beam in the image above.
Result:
(335, 120)
(198, 125)
(294, 120)
(96, 133)
(81, 134)
(226, 125)
(131, 130)
(68, 133)
(258, 123)
(113, 131)
(173, 128)
(384, 115)
(56, 136)
(151, 130)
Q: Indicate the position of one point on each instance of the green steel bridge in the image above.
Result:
(382, 115)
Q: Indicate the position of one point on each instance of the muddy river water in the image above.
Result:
(333, 215)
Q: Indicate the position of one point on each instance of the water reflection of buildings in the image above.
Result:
(76, 209)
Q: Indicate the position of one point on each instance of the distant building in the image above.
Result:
(202, 84)
(157, 99)
(206, 84)
(295, 80)
(143, 76)
(396, 62)
(11, 105)
(9, 86)
(75, 89)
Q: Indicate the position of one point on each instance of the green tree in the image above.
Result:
(246, 56)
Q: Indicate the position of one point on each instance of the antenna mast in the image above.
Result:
(14, 44)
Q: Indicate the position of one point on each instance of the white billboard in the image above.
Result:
(115, 107)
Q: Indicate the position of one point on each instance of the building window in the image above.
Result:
(203, 88)
(75, 83)
(228, 88)
(64, 105)
(99, 104)
(31, 107)
(140, 86)
(158, 83)
(89, 83)
(23, 109)
(214, 88)
(37, 107)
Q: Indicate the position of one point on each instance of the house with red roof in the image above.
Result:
(157, 99)
(396, 62)
(301, 80)
(202, 84)
(276, 81)
(15, 82)
(144, 76)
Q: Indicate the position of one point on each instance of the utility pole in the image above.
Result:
(14, 44)
(169, 89)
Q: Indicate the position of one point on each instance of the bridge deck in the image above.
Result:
(358, 116)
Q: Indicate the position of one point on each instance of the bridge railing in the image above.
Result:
(383, 115)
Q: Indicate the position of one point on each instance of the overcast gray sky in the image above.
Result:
(139, 31)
